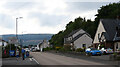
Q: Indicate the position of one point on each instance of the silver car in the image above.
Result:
(106, 51)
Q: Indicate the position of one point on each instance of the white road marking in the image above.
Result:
(30, 59)
(35, 61)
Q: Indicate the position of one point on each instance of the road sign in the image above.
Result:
(12, 53)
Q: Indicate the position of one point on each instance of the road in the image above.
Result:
(44, 58)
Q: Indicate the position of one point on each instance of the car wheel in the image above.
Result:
(104, 53)
(86, 54)
(90, 54)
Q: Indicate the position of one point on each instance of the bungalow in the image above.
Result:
(78, 39)
(108, 34)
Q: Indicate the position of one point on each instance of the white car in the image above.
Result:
(106, 51)
(27, 49)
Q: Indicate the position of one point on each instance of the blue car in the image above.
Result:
(93, 51)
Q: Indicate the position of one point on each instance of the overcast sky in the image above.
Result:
(44, 16)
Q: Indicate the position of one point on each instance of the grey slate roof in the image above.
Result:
(75, 38)
(110, 27)
(73, 32)
(78, 36)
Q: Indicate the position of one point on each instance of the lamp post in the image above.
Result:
(22, 39)
(17, 30)
(17, 25)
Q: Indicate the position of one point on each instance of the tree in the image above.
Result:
(111, 11)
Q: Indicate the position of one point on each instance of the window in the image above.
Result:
(118, 33)
(84, 45)
(116, 45)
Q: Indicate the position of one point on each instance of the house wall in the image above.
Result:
(85, 39)
(44, 45)
(115, 45)
(0, 40)
(99, 31)
(77, 33)
(109, 44)
(0, 43)
(5, 44)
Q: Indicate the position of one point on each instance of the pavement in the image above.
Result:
(14, 61)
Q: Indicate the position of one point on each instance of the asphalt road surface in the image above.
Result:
(44, 58)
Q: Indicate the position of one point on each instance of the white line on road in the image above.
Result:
(30, 59)
(35, 61)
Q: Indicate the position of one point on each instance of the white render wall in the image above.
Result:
(0, 43)
(99, 30)
(5, 44)
(79, 32)
(116, 44)
(84, 39)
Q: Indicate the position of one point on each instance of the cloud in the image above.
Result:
(43, 16)
(84, 6)
(18, 5)
(48, 20)
(6, 21)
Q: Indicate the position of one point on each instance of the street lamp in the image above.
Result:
(21, 40)
(17, 30)
(17, 25)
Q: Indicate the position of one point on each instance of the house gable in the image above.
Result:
(84, 39)
(100, 29)
(81, 31)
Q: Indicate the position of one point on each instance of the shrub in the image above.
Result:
(62, 49)
(67, 47)
(79, 50)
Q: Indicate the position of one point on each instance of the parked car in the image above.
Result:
(106, 51)
(93, 51)
(27, 49)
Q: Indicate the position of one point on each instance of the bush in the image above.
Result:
(79, 50)
(62, 49)
(67, 47)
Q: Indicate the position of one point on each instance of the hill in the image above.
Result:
(29, 39)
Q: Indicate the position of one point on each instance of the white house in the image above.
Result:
(42, 45)
(3, 42)
(108, 34)
(78, 39)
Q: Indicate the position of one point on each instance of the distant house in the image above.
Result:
(13, 40)
(43, 44)
(78, 39)
(108, 34)
(3, 42)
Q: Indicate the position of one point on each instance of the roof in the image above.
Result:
(73, 32)
(78, 36)
(110, 27)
